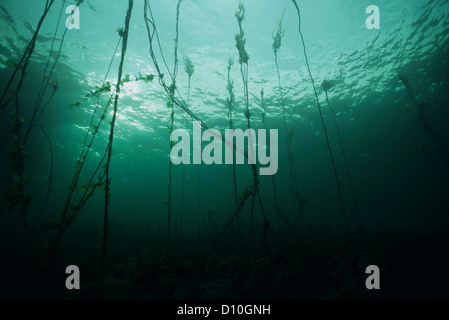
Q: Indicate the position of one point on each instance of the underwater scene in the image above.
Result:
(224, 150)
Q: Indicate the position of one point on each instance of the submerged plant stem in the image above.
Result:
(434, 136)
(291, 163)
(25, 57)
(172, 89)
(243, 61)
(111, 137)
(189, 69)
(50, 179)
(348, 173)
(273, 181)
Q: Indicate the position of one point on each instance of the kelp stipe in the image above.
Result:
(296, 196)
(170, 165)
(111, 137)
(63, 220)
(5, 243)
(240, 41)
(421, 105)
(15, 193)
(327, 85)
(189, 69)
(230, 101)
(279, 213)
(440, 181)
(46, 78)
(154, 42)
(171, 106)
(337, 180)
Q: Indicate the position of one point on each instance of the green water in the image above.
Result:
(373, 182)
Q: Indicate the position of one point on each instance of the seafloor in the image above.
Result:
(413, 265)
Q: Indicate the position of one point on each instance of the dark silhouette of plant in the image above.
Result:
(265, 126)
(107, 195)
(279, 213)
(230, 101)
(154, 41)
(421, 105)
(327, 85)
(99, 178)
(189, 69)
(15, 194)
(337, 180)
(170, 104)
(297, 203)
(240, 42)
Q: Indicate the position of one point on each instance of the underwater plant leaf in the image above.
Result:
(327, 84)
(172, 88)
(93, 128)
